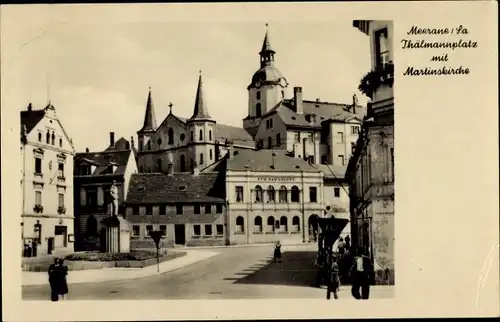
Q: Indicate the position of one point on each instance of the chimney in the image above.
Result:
(354, 103)
(132, 144)
(30, 107)
(196, 170)
(230, 152)
(318, 100)
(112, 138)
(297, 99)
(87, 150)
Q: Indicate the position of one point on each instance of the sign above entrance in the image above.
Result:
(288, 179)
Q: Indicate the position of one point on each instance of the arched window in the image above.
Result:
(282, 94)
(182, 137)
(211, 154)
(53, 139)
(258, 224)
(60, 143)
(258, 95)
(39, 137)
(192, 136)
(149, 145)
(284, 223)
(182, 166)
(295, 194)
(258, 194)
(270, 224)
(240, 224)
(283, 194)
(296, 223)
(170, 136)
(201, 135)
(258, 110)
(210, 135)
(159, 142)
(91, 226)
(271, 194)
(201, 158)
(48, 138)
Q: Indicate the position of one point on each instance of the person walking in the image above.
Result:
(277, 252)
(333, 280)
(361, 273)
(62, 272)
(54, 294)
(347, 243)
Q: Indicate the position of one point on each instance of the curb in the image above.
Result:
(239, 246)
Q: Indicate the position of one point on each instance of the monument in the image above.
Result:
(117, 228)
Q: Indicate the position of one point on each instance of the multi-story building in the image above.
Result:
(47, 182)
(94, 174)
(189, 208)
(371, 169)
(270, 196)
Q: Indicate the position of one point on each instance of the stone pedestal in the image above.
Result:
(117, 234)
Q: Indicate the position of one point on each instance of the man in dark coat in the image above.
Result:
(53, 281)
(361, 274)
(62, 272)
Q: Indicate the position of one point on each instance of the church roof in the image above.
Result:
(102, 160)
(200, 106)
(149, 117)
(158, 188)
(264, 161)
(267, 74)
(266, 45)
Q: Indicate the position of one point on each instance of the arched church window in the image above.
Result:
(170, 136)
(258, 95)
(210, 135)
(192, 136)
(39, 137)
(53, 139)
(182, 137)
(282, 94)
(159, 142)
(48, 138)
(258, 110)
(201, 135)
(211, 154)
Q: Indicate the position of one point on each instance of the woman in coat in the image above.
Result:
(62, 272)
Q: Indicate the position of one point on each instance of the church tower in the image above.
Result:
(149, 127)
(266, 89)
(201, 129)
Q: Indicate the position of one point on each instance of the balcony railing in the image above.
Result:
(376, 78)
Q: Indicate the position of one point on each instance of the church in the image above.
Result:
(318, 132)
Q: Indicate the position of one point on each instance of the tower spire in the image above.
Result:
(149, 117)
(200, 108)
(267, 52)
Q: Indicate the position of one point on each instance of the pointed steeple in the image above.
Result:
(267, 52)
(200, 108)
(149, 117)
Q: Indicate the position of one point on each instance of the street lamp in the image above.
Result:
(156, 236)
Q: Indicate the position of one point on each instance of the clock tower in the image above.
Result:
(266, 90)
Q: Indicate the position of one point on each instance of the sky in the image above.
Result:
(96, 64)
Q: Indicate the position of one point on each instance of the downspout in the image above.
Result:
(303, 210)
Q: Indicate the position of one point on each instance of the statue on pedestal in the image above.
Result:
(113, 192)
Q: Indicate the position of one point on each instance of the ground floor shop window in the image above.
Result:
(208, 230)
(270, 224)
(149, 229)
(220, 229)
(240, 224)
(296, 223)
(163, 229)
(196, 230)
(258, 224)
(283, 224)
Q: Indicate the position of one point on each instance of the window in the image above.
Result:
(149, 145)
(295, 194)
(179, 209)
(149, 229)
(61, 200)
(353, 147)
(136, 230)
(297, 137)
(257, 95)
(135, 210)
(313, 194)
(282, 94)
(159, 142)
(310, 159)
(182, 164)
(197, 209)
(271, 123)
(258, 111)
(170, 136)
(284, 223)
(271, 194)
(192, 136)
(219, 230)
(47, 138)
(341, 159)
(240, 224)
(258, 194)
(91, 229)
(260, 144)
(257, 222)
(218, 208)
(38, 165)
(340, 137)
(53, 137)
(283, 194)
(39, 137)
(201, 135)
(381, 47)
(336, 192)
(208, 209)
(324, 159)
(210, 135)
(208, 230)
(201, 158)
(270, 223)
(239, 194)
(163, 210)
(192, 164)
(354, 129)
(296, 223)
(163, 229)
(269, 142)
(197, 230)
(60, 143)
(278, 139)
(38, 198)
(182, 137)
(211, 154)
(149, 210)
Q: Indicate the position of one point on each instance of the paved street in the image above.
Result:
(235, 273)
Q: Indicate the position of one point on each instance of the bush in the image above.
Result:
(134, 255)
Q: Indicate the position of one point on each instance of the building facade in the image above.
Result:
(371, 169)
(47, 152)
(94, 174)
(189, 208)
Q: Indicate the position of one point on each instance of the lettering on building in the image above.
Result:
(289, 179)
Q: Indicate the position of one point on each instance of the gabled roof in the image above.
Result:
(102, 160)
(31, 118)
(263, 160)
(158, 188)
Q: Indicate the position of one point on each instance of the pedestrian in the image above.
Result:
(361, 274)
(277, 252)
(347, 242)
(333, 280)
(62, 272)
(34, 248)
(54, 294)
(341, 246)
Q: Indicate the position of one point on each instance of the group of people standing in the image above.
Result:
(57, 279)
